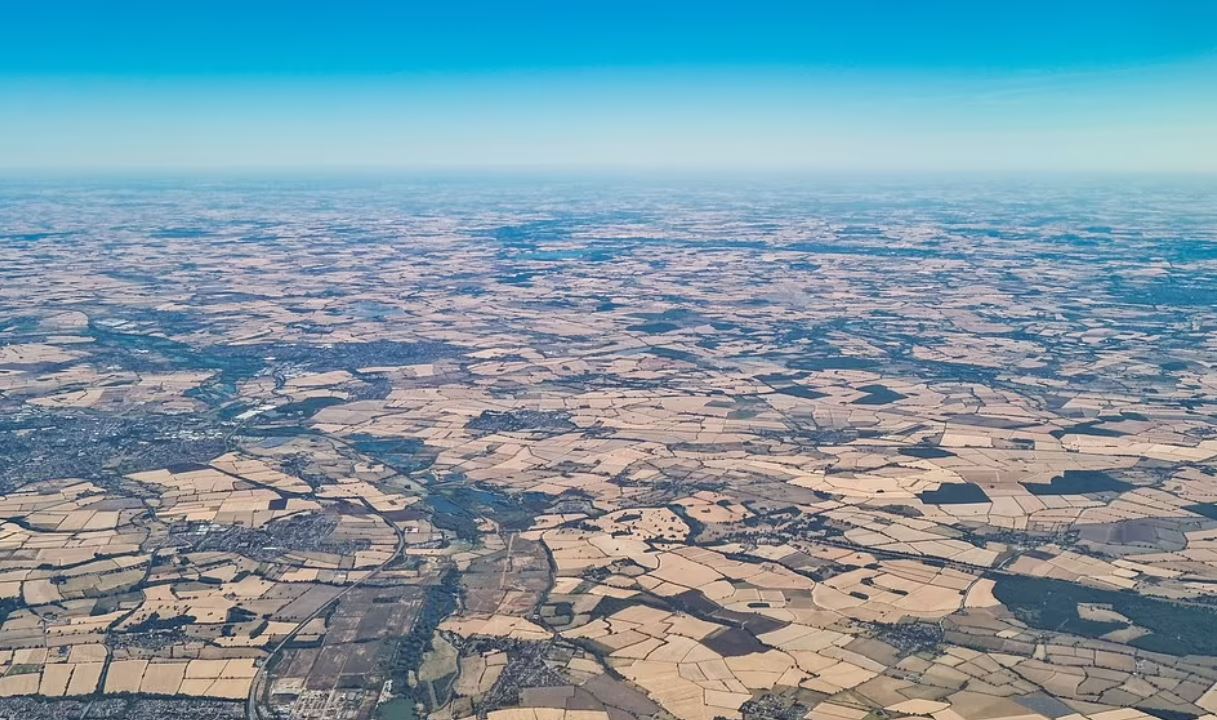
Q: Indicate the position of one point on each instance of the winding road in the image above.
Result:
(252, 712)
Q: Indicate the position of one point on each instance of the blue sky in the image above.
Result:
(846, 85)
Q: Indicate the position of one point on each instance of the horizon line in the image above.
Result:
(84, 171)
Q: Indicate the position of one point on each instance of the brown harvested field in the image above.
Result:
(327, 668)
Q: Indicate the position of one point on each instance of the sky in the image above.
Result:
(817, 85)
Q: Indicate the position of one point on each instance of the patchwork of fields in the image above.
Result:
(473, 451)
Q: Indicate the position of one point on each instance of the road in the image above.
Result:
(252, 712)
